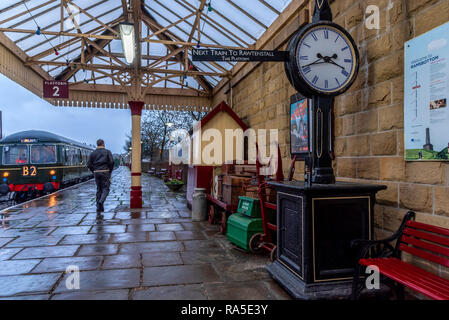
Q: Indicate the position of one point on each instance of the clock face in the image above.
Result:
(327, 59)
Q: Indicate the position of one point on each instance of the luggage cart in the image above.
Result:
(219, 212)
(265, 241)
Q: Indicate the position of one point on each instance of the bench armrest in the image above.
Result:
(381, 248)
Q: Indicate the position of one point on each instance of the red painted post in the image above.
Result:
(136, 160)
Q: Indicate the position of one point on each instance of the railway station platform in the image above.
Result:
(150, 253)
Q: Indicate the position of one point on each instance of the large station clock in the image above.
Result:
(324, 60)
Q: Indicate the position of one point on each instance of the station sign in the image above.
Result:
(232, 55)
(54, 89)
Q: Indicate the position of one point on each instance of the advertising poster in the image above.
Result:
(426, 94)
(299, 127)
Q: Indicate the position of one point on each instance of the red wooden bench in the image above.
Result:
(425, 241)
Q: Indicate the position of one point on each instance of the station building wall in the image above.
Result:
(369, 130)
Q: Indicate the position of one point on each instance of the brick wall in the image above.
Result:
(369, 126)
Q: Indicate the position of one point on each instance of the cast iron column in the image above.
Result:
(322, 171)
(136, 161)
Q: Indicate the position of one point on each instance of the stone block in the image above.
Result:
(416, 197)
(384, 143)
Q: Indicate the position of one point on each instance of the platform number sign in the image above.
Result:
(56, 89)
(29, 171)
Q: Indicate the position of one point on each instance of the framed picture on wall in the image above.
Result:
(426, 96)
(299, 126)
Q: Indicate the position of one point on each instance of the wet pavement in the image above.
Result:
(153, 253)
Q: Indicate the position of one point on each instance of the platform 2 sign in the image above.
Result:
(54, 89)
(232, 55)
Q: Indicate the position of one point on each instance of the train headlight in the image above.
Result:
(5, 174)
(52, 172)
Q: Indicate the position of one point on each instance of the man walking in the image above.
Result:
(101, 163)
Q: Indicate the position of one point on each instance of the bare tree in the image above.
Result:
(157, 127)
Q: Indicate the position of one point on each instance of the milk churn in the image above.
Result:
(199, 205)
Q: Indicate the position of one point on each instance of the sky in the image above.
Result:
(23, 110)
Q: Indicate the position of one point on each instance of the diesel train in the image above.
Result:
(33, 163)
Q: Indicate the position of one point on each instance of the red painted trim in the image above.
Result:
(136, 174)
(136, 188)
(136, 198)
(136, 107)
(38, 186)
(223, 107)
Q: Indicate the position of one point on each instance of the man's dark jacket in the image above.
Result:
(101, 159)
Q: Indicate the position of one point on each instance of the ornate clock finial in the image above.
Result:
(322, 11)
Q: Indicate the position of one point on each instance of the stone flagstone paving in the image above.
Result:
(153, 253)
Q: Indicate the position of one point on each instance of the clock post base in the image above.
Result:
(299, 290)
(337, 290)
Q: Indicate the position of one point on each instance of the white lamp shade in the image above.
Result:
(128, 41)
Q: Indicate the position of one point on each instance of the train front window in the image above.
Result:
(43, 154)
(15, 154)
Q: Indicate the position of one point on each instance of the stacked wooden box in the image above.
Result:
(236, 178)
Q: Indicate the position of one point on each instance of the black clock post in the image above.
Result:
(318, 219)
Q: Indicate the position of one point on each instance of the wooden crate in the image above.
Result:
(245, 170)
(228, 169)
(233, 188)
(236, 180)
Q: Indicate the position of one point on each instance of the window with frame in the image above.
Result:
(75, 156)
(43, 154)
(66, 156)
(15, 155)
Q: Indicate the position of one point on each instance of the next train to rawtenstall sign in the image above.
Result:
(34, 163)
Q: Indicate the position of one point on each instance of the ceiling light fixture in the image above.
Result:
(127, 34)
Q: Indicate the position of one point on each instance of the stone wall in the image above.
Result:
(369, 118)
(369, 143)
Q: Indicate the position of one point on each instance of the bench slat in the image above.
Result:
(426, 245)
(401, 272)
(427, 227)
(418, 278)
(424, 254)
(409, 270)
(427, 236)
(429, 278)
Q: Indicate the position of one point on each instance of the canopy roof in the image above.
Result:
(78, 40)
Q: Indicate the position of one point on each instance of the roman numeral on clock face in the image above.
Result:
(315, 80)
(307, 69)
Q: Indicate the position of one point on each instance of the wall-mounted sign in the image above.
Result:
(238, 55)
(54, 89)
(426, 94)
(299, 125)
